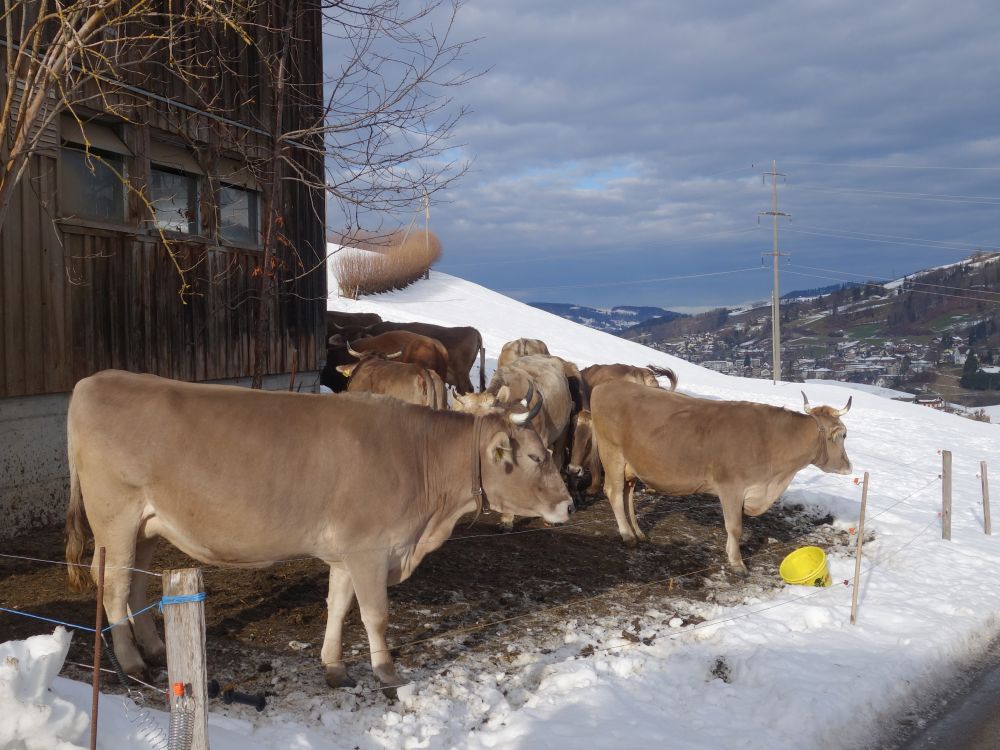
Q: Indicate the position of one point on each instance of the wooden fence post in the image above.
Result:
(184, 627)
(946, 495)
(857, 553)
(987, 527)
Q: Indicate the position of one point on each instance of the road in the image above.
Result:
(973, 718)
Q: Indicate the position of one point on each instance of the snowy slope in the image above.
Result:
(799, 674)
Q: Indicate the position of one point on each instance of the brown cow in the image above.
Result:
(414, 348)
(513, 387)
(376, 373)
(584, 456)
(520, 348)
(745, 453)
(240, 477)
(463, 344)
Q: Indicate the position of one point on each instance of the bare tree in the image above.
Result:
(388, 119)
(372, 140)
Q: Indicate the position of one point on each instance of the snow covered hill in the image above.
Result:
(798, 674)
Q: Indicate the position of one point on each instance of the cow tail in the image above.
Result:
(482, 361)
(77, 531)
(426, 393)
(665, 372)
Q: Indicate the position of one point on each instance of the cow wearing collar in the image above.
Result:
(744, 453)
(245, 478)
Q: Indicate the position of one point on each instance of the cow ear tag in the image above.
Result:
(345, 370)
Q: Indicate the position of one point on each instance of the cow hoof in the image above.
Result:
(337, 677)
(740, 572)
(157, 657)
(631, 542)
(506, 528)
(391, 693)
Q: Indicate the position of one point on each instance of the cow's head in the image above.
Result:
(519, 474)
(348, 370)
(832, 456)
(483, 403)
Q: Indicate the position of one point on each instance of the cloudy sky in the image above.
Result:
(617, 148)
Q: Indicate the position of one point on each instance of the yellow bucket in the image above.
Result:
(806, 566)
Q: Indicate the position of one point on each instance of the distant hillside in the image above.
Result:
(615, 320)
(820, 290)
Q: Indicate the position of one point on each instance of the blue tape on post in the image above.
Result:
(182, 599)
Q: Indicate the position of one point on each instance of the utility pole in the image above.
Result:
(774, 213)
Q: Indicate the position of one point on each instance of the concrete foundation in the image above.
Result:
(34, 477)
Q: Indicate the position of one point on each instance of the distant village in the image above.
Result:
(903, 366)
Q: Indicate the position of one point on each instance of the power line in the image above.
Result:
(947, 244)
(880, 241)
(908, 291)
(871, 278)
(980, 200)
(606, 251)
(630, 283)
(887, 166)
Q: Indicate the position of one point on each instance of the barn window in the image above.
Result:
(93, 171)
(173, 188)
(239, 205)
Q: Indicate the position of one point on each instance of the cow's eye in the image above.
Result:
(534, 458)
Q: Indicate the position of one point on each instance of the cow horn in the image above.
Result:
(842, 412)
(393, 356)
(805, 403)
(531, 392)
(521, 419)
(352, 352)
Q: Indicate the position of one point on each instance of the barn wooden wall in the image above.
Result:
(78, 298)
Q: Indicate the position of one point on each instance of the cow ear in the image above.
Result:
(503, 394)
(501, 449)
(345, 370)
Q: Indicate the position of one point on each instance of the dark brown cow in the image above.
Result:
(375, 373)
(414, 348)
(520, 348)
(584, 456)
(744, 453)
(239, 477)
(463, 344)
(349, 324)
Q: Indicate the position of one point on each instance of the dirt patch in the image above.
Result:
(265, 627)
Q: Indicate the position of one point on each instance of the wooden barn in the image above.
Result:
(135, 240)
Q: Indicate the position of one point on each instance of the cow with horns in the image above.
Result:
(744, 453)
(145, 463)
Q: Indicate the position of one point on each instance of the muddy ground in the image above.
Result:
(265, 627)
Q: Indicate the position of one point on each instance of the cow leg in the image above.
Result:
(630, 504)
(614, 488)
(338, 602)
(506, 521)
(371, 585)
(732, 512)
(143, 626)
(117, 579)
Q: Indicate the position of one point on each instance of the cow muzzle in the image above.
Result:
(560, 514)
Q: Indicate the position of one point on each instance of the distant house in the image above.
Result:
(934, 402)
